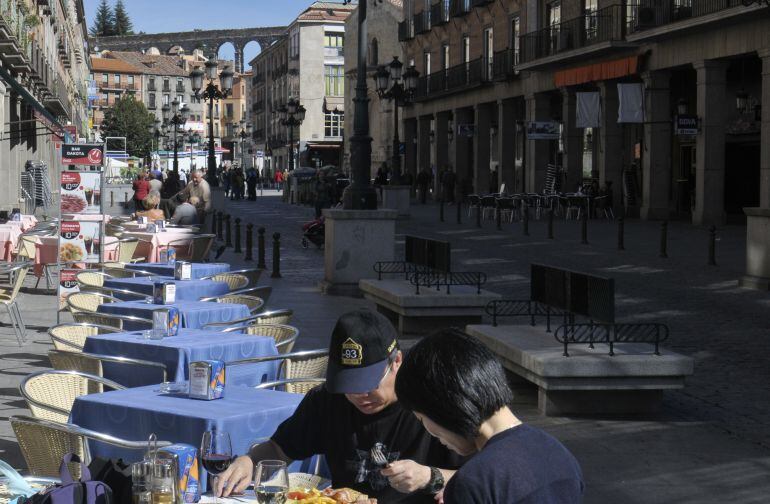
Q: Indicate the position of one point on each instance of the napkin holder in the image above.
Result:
(185, 458)
(160, 224)
(152, 228)
(183, 270)
(207, 380)
(165, 322)
(141, 219)
(164, 293)
(167, 255)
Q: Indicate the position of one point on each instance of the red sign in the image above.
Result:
(70, 230)
(70, 181)
(82, 154)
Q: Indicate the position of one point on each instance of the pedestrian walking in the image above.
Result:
(424, 178)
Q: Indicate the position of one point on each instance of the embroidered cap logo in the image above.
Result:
(352, 353)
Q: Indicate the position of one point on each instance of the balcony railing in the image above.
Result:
(166, 88)
(405, 31)
(460, 7)
(604, 25)
(439, 13)
(646, 14)
(152, 87)
(15, 45)
(180, 89)
(481, 3)
(503, 64)
(259, 134)
(422, 22)
(456, 78)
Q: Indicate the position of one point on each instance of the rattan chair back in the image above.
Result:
(88, 301)
(72, 337)
(284, 335)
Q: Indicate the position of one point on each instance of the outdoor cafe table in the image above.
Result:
(199, 270)
(245, 413)
(186, 290)
(194, 314)
(176, 353)
(152, 243)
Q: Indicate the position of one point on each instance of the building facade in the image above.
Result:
(662, 99)
(233, 112)
(112, 78)
(382, 46)
(44, 71)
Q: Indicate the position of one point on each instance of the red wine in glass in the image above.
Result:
(216, 463)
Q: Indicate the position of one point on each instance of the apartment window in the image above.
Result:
(130, 79)
(166, 85)
(151, 83)
(117, 79)
(445, 56)
(229, 110)
(105, 78)
(515, 34)
(590, 8)
(335, 80)
(105, 99)
(374, 53)
(553, 13)
(333, 39)
(166, 99)
(408, 11)
(180, 98)
(426, 62)
(426, 12)
(466, 49)
(489, 51)
(91, 76)
(333, 125)
(152, 100)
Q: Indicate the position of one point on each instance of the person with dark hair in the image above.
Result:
(356, 421)
(459, 391)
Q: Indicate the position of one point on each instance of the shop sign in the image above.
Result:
(82, 154)
(686, 124)
(543, 130)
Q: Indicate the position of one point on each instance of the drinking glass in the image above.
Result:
(271, 482)
(216, 454)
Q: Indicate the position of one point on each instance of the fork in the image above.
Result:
(377, 456)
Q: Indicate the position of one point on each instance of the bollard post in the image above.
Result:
(712, 246)
(621, 234)
(525, 221)
(220, 219)
(550, 223)
(498, 218)
(261, 248)
(237, 236)
(584, 229)
(663, 239)
(441, 209)
(276, 256)
(228, 232)
(112, 199)
(249, 242)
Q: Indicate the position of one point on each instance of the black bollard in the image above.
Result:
(228, 232)
(712, 246)
(525, 221)
(237, 236)
(550, 223)
(584, 229)
(261, 248)
(112, 199)
(249, 242)
(621, 234)
(663, 239)
(220, 219)
(441, 210)
(276, 256)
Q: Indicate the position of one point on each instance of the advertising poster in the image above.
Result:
(82, 154)
(81, 193)
(543, 130)
(68, 284)
(79, 241)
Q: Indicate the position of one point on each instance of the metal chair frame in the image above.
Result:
(27, 397)
(116, 360)
(114, 317)
(56, 339)
(73, 308)
(245, 322)
(18, 273)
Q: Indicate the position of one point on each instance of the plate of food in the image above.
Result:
(73, 203)
(327, 496)
(69, 252)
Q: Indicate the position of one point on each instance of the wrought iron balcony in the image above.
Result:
(460, 7)
(439, 13)
(504, 64)
(57, 102)
(454, 79)
(422, 22)
(15, 45)
(405, 31)
(601, 26)
(646, 15)
(152, 87)
(481, 3)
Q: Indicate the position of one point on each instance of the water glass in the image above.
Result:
(271, 482)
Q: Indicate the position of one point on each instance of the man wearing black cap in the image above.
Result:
(355, 420)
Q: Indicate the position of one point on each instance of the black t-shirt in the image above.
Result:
(329, 424)
(522, 465)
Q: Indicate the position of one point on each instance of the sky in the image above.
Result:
(157, 16)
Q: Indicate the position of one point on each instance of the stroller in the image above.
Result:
(314, 232)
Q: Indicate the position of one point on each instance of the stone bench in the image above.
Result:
(419, 314)
(589, 381)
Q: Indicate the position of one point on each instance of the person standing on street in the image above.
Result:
(448, 181)
(424, 178)
(141, 189)
(199, 188)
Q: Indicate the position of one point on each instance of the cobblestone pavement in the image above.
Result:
(711, 442)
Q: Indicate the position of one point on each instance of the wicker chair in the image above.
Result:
(121, 294)
(92, 278)
(127, 250)
(8, 298)
(43, 443)
(122, 272)
(109, 320)
(51, 393)
(254, 303)
(252, 274)
(301, 371)
(284, 335)
(200, 246)
(282, 317)
(72, 337)
(88, 301)
(94, 363)
(234, 281)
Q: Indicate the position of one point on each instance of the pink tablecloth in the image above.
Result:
(153, 242)
(47, 251)
(9, 240)
(86, 217)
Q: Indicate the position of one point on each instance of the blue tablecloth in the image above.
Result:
(133, 414)
(186, 290)
(199, 270)
(194, 314)
(178, 351)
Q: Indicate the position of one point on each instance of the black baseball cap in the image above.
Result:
(363, 343)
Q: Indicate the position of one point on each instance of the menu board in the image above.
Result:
(81, 192)
(68, 284)
(80, 241)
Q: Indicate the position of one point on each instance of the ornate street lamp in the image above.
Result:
(244, 134)
(291, 115)
(211, 93)
(176, 117)
(391, 85)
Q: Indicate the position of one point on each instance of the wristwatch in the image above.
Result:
(436, 482)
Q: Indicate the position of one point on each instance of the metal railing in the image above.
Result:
(481, 3)
(611, 334)
(439, 13)
(447, 279)
(645, 14)
(405, 31)
(450, 80)
(152, 87)
(422, 22)
(603, 25)
(503, 64)
(460, 8)
(522, 308)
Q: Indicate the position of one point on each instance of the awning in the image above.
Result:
(39, 109)
(605, 70)
(324, 146)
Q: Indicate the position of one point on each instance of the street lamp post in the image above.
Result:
(292, 114)
(244, 134)
(179, 118)
(390, 87)
(194, 140)
(211, 93)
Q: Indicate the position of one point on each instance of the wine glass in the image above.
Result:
(271, 482)
(216, 453)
